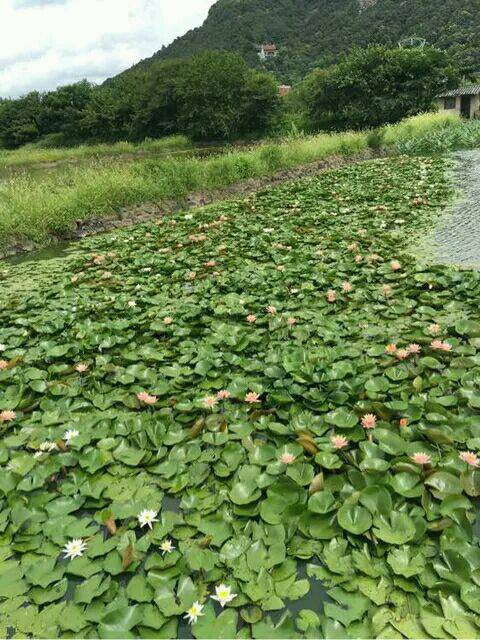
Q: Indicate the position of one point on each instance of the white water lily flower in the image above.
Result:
(147, 517)
(167, 546)
(70, 434)
(47, 446)
(132, 303)
(194, 611)
(74, 548)
(223, 594)
(2, 347)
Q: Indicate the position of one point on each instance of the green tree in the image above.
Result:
(217, 95)
(377, 85)
(63, 109)
(20, 120)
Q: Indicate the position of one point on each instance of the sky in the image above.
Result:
(48, 43)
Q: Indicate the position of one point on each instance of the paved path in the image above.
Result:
(457, 238)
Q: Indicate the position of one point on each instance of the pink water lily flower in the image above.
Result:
(395, 265)
(291, 321)
(358, 258)
(167, 320)
(439, 345)
(386, 290)
(402, 354)
(3, 364)
(353, 246)
(339, 442)
(191, 275)
(271, 310)
(331, 296)
(391, 348)
(347, 287)
(81, 367)
(287, 458)
(470, 458)
(251, 318)
(414, 348)
(251, 397)
(421, 458)
(211, 263)
(7, 415)
(403, 422)
(434, 329)
(210, 402)
(369, 421)
(145, 397)
(223, 394)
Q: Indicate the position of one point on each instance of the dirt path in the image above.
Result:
(457, 238)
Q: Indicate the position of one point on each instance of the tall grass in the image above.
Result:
(418, 126)
(37, 209)
(457, 136)
(35, 154)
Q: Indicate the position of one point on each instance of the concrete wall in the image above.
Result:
(474, 106)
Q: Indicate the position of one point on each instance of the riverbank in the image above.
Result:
(36, 212)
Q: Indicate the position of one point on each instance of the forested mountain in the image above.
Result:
(312, 33)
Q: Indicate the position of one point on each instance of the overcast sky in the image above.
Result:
(47, 43)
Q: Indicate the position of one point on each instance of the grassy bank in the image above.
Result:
(39, 209)
(35, 154)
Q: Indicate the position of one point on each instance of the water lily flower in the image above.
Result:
(271, 310)
(223, 594)
(7, 415)
(369, 420)
(319, 253)
(167, 320)
(402, 354)
(210, 402)
(281, 267)
(339, 442)
(251, 397)
(194, 612)
(358, 258)
(391, 348)
(3, 364)
(331, 295)
(251, 318)
(421, 458)
(373, 257)
(145, 397)
(434, 329)
(470, 458)
(414, 348)
(70, 434)
(291, 321)
(395, 265)
(74, 548)
(287, 458)
(2, 347)
(347, 287)
(223, 394)
(132, 303)
(386, 290)
(403, 422)
(48, 446)
(167, 546)
(147, 517)
(81, 368)
(353, 246)
(439, 345)
(211, 263)
(191, 275)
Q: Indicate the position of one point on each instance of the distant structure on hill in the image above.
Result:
(266, 51)
(284, 89)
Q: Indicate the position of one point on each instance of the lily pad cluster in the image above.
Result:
(257, 420)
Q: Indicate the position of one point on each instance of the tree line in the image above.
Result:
(214, 95)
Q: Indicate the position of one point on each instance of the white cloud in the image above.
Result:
(46, 43)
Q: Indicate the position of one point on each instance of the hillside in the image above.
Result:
(310, 33)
